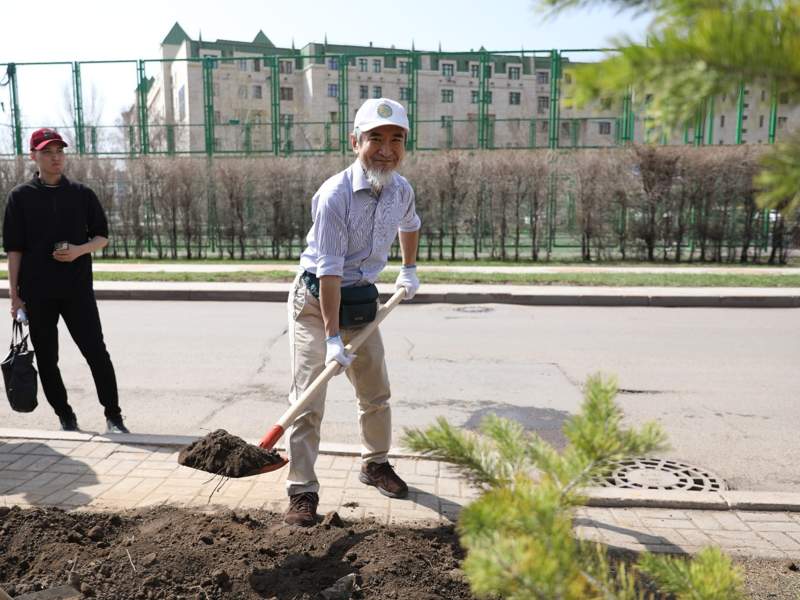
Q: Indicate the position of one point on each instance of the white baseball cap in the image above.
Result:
(380, 111)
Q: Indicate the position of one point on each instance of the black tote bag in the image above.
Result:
(19, 374)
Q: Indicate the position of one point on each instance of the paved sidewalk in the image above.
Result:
(84, 471)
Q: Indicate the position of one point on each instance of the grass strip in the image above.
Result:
(539, 279)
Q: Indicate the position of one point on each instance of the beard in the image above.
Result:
(377, 178)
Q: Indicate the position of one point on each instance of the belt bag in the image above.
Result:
(358, 306)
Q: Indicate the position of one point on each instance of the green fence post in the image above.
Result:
(144, 135)
(710, 121)
(739, 113)
(11, 71)
(625, 121)
(413, 116)
(208, 104)
(483, 89)
(698, 126)
(93, 138)
(275, 102)
(344, 105)
(555, 76)
(77, 97)
(773, 112)
(532, 134)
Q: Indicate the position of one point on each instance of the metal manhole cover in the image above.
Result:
(661, 474)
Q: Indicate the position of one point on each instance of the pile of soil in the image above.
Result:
(224, 454)
(170, 553)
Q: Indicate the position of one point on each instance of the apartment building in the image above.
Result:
(234, 96)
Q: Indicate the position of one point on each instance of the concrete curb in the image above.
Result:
(579, 296)
(600, 497)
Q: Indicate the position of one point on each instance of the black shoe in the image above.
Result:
(69, 422)
(302, 509)
(383, 477)
(116, 425)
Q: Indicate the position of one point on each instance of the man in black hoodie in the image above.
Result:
(52, 225)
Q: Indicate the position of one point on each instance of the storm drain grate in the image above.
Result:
(660, 474)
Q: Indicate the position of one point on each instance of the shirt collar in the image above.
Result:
(39, 183)
(360, 181)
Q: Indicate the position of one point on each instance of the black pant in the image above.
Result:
(83, 321)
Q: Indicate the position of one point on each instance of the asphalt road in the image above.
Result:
(724, 383)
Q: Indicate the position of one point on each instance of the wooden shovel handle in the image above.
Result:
(330, 370)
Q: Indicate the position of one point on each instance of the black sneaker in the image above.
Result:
(116, 425)
(383, 477)
(302, 509)
(69, 422)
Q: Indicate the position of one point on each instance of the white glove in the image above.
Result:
(408, 281)
(334, 350)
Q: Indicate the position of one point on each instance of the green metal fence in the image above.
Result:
(294, 102)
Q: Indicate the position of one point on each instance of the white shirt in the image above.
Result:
(353, 230)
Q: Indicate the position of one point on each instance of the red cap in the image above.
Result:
(41, 137)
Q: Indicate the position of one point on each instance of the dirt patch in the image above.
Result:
(171, 553)
(224, 454)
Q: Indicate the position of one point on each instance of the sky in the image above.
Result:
(100, 30)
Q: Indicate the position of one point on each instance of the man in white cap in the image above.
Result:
(357, 215)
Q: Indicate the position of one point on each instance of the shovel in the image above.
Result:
(272, 460)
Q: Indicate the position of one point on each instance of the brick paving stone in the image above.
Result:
(449, 487)
(651, 523)
(63, 444)
(696, 538)
(627, 517)
(780, 540)
(671, 536)
(750, 516)
(45, 450)
(69, 467)
(704, 521)
(44, 463)
(23, 462)
(24, 448)
(428, 468)
(731, 521)
(342, 463)
(591, 534)
(84, 450)
(12, 474)
(662, 513)
(782, 526)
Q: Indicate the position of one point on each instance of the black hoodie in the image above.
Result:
(37, 216)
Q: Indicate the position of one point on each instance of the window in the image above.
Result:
(405, 66)
(285, 67)
(544, 126)
(783, 98)
(243, 64)
(287, 93)
(214, 63)
(257, 92)
(474, 96)
(376, 65)
(217, 117)
(333, 63)
(487, 72)
(256, 65)
(242, 91)
(333, 90)
(722, 120)
(488, 97)
(377, 91)
(334, 117)
(513, 72)
(363, 65)
(447, 121)
(474, 71)
(182, 103)
(763, 95)
(542, 77)
(781, 122)
(405, 93)
(760, 120)
(604, 127)
(448, 69)
(542, 104)
(363, 92)
(447, 96)
(514, 98)
(565, 128)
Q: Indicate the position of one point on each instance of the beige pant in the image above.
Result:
(367, 374)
